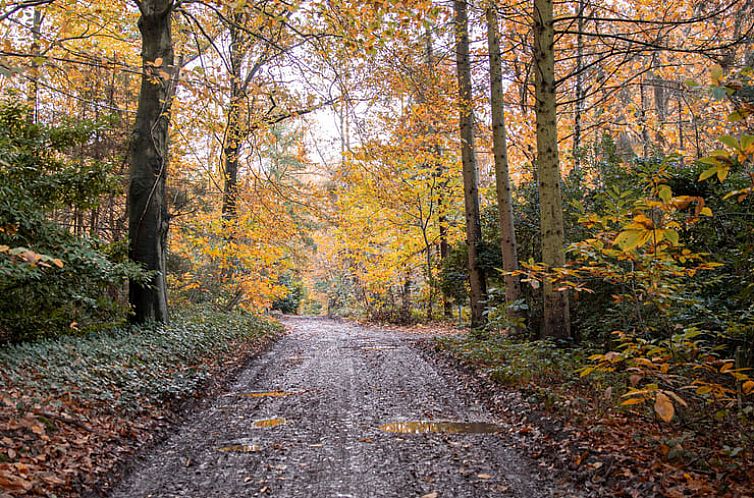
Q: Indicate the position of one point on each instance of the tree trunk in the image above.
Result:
(33, 90)
(232, 139)
(580, 97)
(470, 182)
(147, 210)
(405, 316)
(447, 306)
(500, 153)
(556, 319)
(442, 220)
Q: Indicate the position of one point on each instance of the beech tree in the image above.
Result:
(556, 320)
(500, 154)
(147, 204)
(477, 281)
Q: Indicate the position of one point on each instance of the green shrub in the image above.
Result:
(50, 277)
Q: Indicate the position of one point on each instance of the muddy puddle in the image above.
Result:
(242, 446)
(268, 394)
(422, 427)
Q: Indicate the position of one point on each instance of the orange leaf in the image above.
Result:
(664, 407)
(633, 401)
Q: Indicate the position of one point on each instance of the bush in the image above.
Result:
(50, 277)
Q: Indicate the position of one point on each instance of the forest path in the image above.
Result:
(348, 381)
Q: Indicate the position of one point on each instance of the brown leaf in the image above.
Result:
(484, 476)
(14, 483)
(664, 407)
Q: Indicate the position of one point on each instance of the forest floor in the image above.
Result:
(304, 420)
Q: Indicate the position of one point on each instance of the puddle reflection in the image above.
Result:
(421, 427)
(267, 394)
(241, 448)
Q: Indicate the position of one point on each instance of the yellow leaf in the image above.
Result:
(708, 173)
(633, 401)
(722, 173)
(628, 240)
(748, 386)
(664, 407)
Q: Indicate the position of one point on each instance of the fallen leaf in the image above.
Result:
(484, 476)
(433, 494)
(14, 483)
(664, 407)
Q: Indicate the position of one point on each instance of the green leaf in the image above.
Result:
(716, 74)
(672, 236)
(730, 141)
(722, 173)
(747, 141)
(665, 193)
(708, 173)
(719, 93)
(691, 83)
(735, 116)
(629, 239)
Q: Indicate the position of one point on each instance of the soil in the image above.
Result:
(304, 420)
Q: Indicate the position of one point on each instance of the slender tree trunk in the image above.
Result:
(442, 221)
(579, 89)
(556, 319)
(33, 90)
(147, 210)
(477, 280)
(430, 278)
(500, 153)
(681, 145)
(645, 139)
(447, 306)
(406, 300)
(232, 139)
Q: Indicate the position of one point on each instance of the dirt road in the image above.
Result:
(320, 436)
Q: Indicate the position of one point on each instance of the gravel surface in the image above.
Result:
(347, 380)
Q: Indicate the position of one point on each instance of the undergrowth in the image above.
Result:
(707, 437)
(130, 368)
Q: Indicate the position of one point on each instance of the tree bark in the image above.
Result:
(500, 154)
(233, 136)
(147, 209)
(556, 319)
(33, 90)
(580, 97)
(477, 280)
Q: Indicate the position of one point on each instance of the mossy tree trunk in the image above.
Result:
(556, 317)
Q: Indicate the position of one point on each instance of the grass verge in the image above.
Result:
(72, 408)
